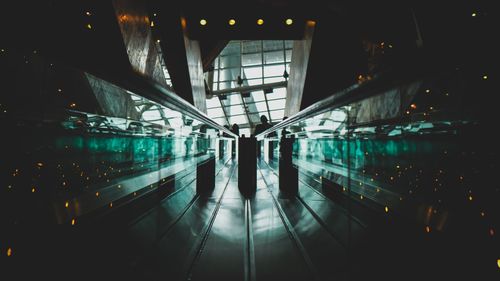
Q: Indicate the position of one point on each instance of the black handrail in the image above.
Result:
(377, 85)
(142, 86)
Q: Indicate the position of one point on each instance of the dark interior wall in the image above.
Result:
(336, 59)
(358, 38)
(84, 34)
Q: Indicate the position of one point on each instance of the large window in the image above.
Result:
(255, 63)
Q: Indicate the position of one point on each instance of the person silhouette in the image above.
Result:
(235, 129)
(264, 125)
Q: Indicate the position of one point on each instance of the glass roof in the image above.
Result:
(250, 63)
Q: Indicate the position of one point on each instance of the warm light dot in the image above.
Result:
(427, 229)
(135, 193)
(9, 252)
(73, 222)
(482, 214)
(111, 205)
(260, 21)
(97, 194)
(474, 14)
(427, 91)
(498, 263)
(158, 41)
(89, 26)
(343, 188)
(87, 13)
(288, 21)
(413, 106)
(203, 22)
(232, 22)
(33, 190)
(492, 232)
(152, 24)
(361, 197)
(485, 77)
(66, 204)
(72, 105)
(386, 209)
(470, 198)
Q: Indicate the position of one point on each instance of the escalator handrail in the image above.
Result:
(357, 92)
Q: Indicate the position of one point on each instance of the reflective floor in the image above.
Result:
(221, 235)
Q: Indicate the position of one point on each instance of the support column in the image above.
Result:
(289, 175)
(247, 165)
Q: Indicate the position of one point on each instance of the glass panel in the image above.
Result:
(220, 121)
(258, 95)
(273, 57)
(245, 132)
(87, 146)
(234, 99)
(252, 72)
(251, 46)
(153, 114)
(276, 104)
(215, 112)
(234, 110)
(273, 80)
(272, 45)
(231, 49)
(252, 59)
(230, 61)
(261, 107)
(288, 55)
(229, 74)
(255, 118)
(213, 102)
(277, 115)
(274, 70)
(278, 93)
(253, 82)
(238, 119)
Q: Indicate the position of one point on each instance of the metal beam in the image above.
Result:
(250, 88)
